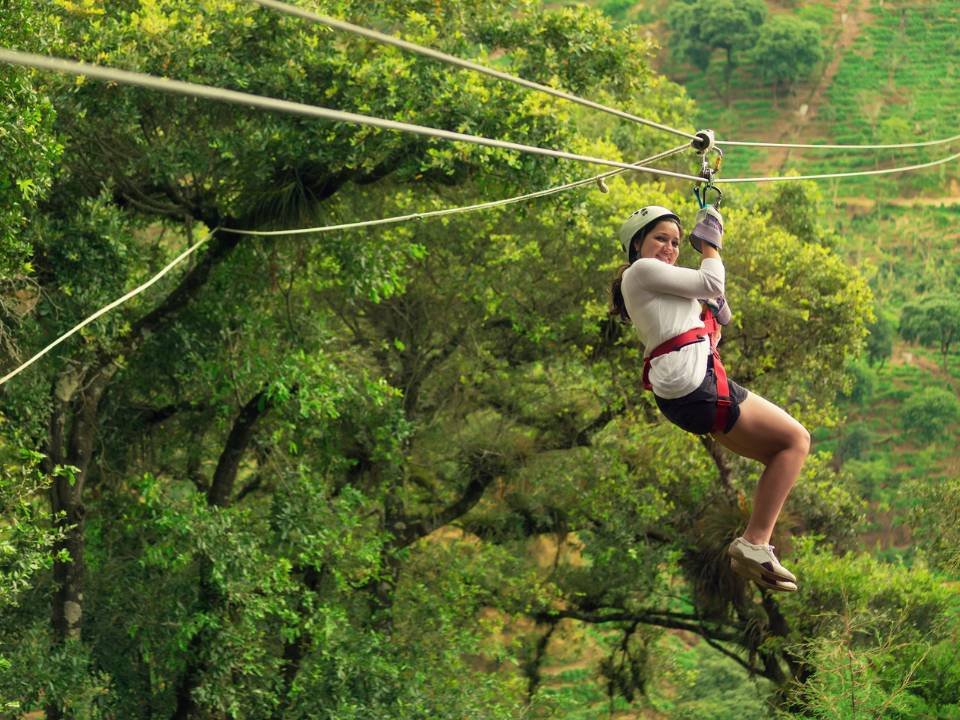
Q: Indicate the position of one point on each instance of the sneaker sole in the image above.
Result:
(734, 557)
(761, 577)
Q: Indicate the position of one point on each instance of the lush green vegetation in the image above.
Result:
(409, 472)
(897, 83)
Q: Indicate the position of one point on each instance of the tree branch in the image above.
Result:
(156, 415)
(716, 452)
(661, 618)
(676, 621)
(408, 530)
(733, 656)
(221, 488)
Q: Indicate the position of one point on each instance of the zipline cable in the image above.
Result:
(208, 92)
(127, 77)
(896, 146)
(827, 176)
(460, 62)
(453, 60)
(107, 308)
(220, 94)
(453, 211)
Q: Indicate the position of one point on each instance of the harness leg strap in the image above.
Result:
(723, 396)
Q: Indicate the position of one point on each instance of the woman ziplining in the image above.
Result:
(678, 313)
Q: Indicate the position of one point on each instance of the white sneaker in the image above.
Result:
(758, 563)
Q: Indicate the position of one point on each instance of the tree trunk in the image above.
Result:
(72, 431)
(224, 477)
(211, 600)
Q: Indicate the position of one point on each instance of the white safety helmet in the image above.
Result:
(639, 221)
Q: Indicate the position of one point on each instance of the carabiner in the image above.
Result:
(708, 173)
(705, 201)
(701, 194)
(705, 170)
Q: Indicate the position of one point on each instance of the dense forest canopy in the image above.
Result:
(376, 473)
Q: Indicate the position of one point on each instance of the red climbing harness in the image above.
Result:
(709, 330)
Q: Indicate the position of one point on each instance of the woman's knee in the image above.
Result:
(795, 441)
(801, 440)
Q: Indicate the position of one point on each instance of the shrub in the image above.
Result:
(931, 412)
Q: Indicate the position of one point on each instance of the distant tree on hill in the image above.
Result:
(932, 321)
(786, 50)
(702, 26)
(880, 340)
(933, 412)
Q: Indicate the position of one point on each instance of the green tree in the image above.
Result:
(880, 340)
(786, 50)
(700, 27)
(931, 321)
(311, 470)
(873, 640)
(29, 150)
(932, 412)
(861, 383)
(936, 519)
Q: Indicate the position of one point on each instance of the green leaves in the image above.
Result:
(872, 628)
(931, 320)
(931, 413)
(787, 49)
(29, 146)
(701, 26)
(424, 423)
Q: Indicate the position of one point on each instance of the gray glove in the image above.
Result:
(708, 229)
(720, 309)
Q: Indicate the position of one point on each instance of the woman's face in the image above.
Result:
(662, 242)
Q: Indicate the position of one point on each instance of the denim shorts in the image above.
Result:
(695, 412)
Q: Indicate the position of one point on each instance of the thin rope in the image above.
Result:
(267, 103)
(107, 308)
(453, 211)
(928, 143)
(886, 171)
(191, 249)
(452, 60)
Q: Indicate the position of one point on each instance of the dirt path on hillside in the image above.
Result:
(853, 15)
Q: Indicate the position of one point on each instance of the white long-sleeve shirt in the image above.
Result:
(662, 302)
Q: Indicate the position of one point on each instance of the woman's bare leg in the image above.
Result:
(767, 433)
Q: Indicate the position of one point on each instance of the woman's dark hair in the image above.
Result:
(617, 306)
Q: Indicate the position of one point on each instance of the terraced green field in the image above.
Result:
(891, 75)
(900, 82)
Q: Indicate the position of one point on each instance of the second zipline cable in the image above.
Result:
(459, 62)
(127, 77)
(107, 308)
(827, 146)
